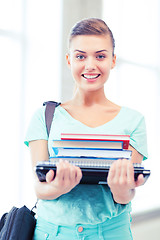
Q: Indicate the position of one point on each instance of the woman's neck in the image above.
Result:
(89, 98)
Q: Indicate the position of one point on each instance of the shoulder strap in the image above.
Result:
(49, 113)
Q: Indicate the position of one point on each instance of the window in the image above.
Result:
(30, 54)
(135, 80)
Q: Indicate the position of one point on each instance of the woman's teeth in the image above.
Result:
(90, 76)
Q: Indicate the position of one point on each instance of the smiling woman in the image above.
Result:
(95, 207)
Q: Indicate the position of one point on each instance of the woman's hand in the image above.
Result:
(67, 177)
(121, 181)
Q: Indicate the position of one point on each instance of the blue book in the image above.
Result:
(92, 152)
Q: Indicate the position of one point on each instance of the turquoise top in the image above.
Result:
(84, 204)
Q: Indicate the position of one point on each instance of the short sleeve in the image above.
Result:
(138, 138)
(37, 127)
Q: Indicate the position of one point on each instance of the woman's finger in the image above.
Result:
(130, 174)
(118, 171)
(140, 180)
(78, 175)
(50, 176)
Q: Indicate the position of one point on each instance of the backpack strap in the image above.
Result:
(49, 113)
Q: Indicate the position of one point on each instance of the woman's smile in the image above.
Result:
(90, 77)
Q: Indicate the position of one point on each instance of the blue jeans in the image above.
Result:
(117, 228)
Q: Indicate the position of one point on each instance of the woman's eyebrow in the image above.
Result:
(76, 50)
(104, 50)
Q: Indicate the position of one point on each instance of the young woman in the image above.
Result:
(66, 209)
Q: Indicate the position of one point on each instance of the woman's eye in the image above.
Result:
(80, 57)
(101, 56)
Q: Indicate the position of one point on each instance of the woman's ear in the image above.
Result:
(113, 61)
(68, 59)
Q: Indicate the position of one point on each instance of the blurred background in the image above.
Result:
(33, 44)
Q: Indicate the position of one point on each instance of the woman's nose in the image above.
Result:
(90, 64)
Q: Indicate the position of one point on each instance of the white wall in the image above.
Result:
(29, 73)
(135, 80)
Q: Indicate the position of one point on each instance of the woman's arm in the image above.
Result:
(67, 175)
(121, 178)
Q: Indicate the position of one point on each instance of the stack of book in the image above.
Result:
(91, 147)
(93, 153)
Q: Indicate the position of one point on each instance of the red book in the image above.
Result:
(97, 137)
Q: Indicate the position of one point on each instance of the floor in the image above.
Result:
(147, 230)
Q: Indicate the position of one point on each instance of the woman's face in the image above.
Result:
(90, 60)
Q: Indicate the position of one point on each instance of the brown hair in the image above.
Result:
(91, 26)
